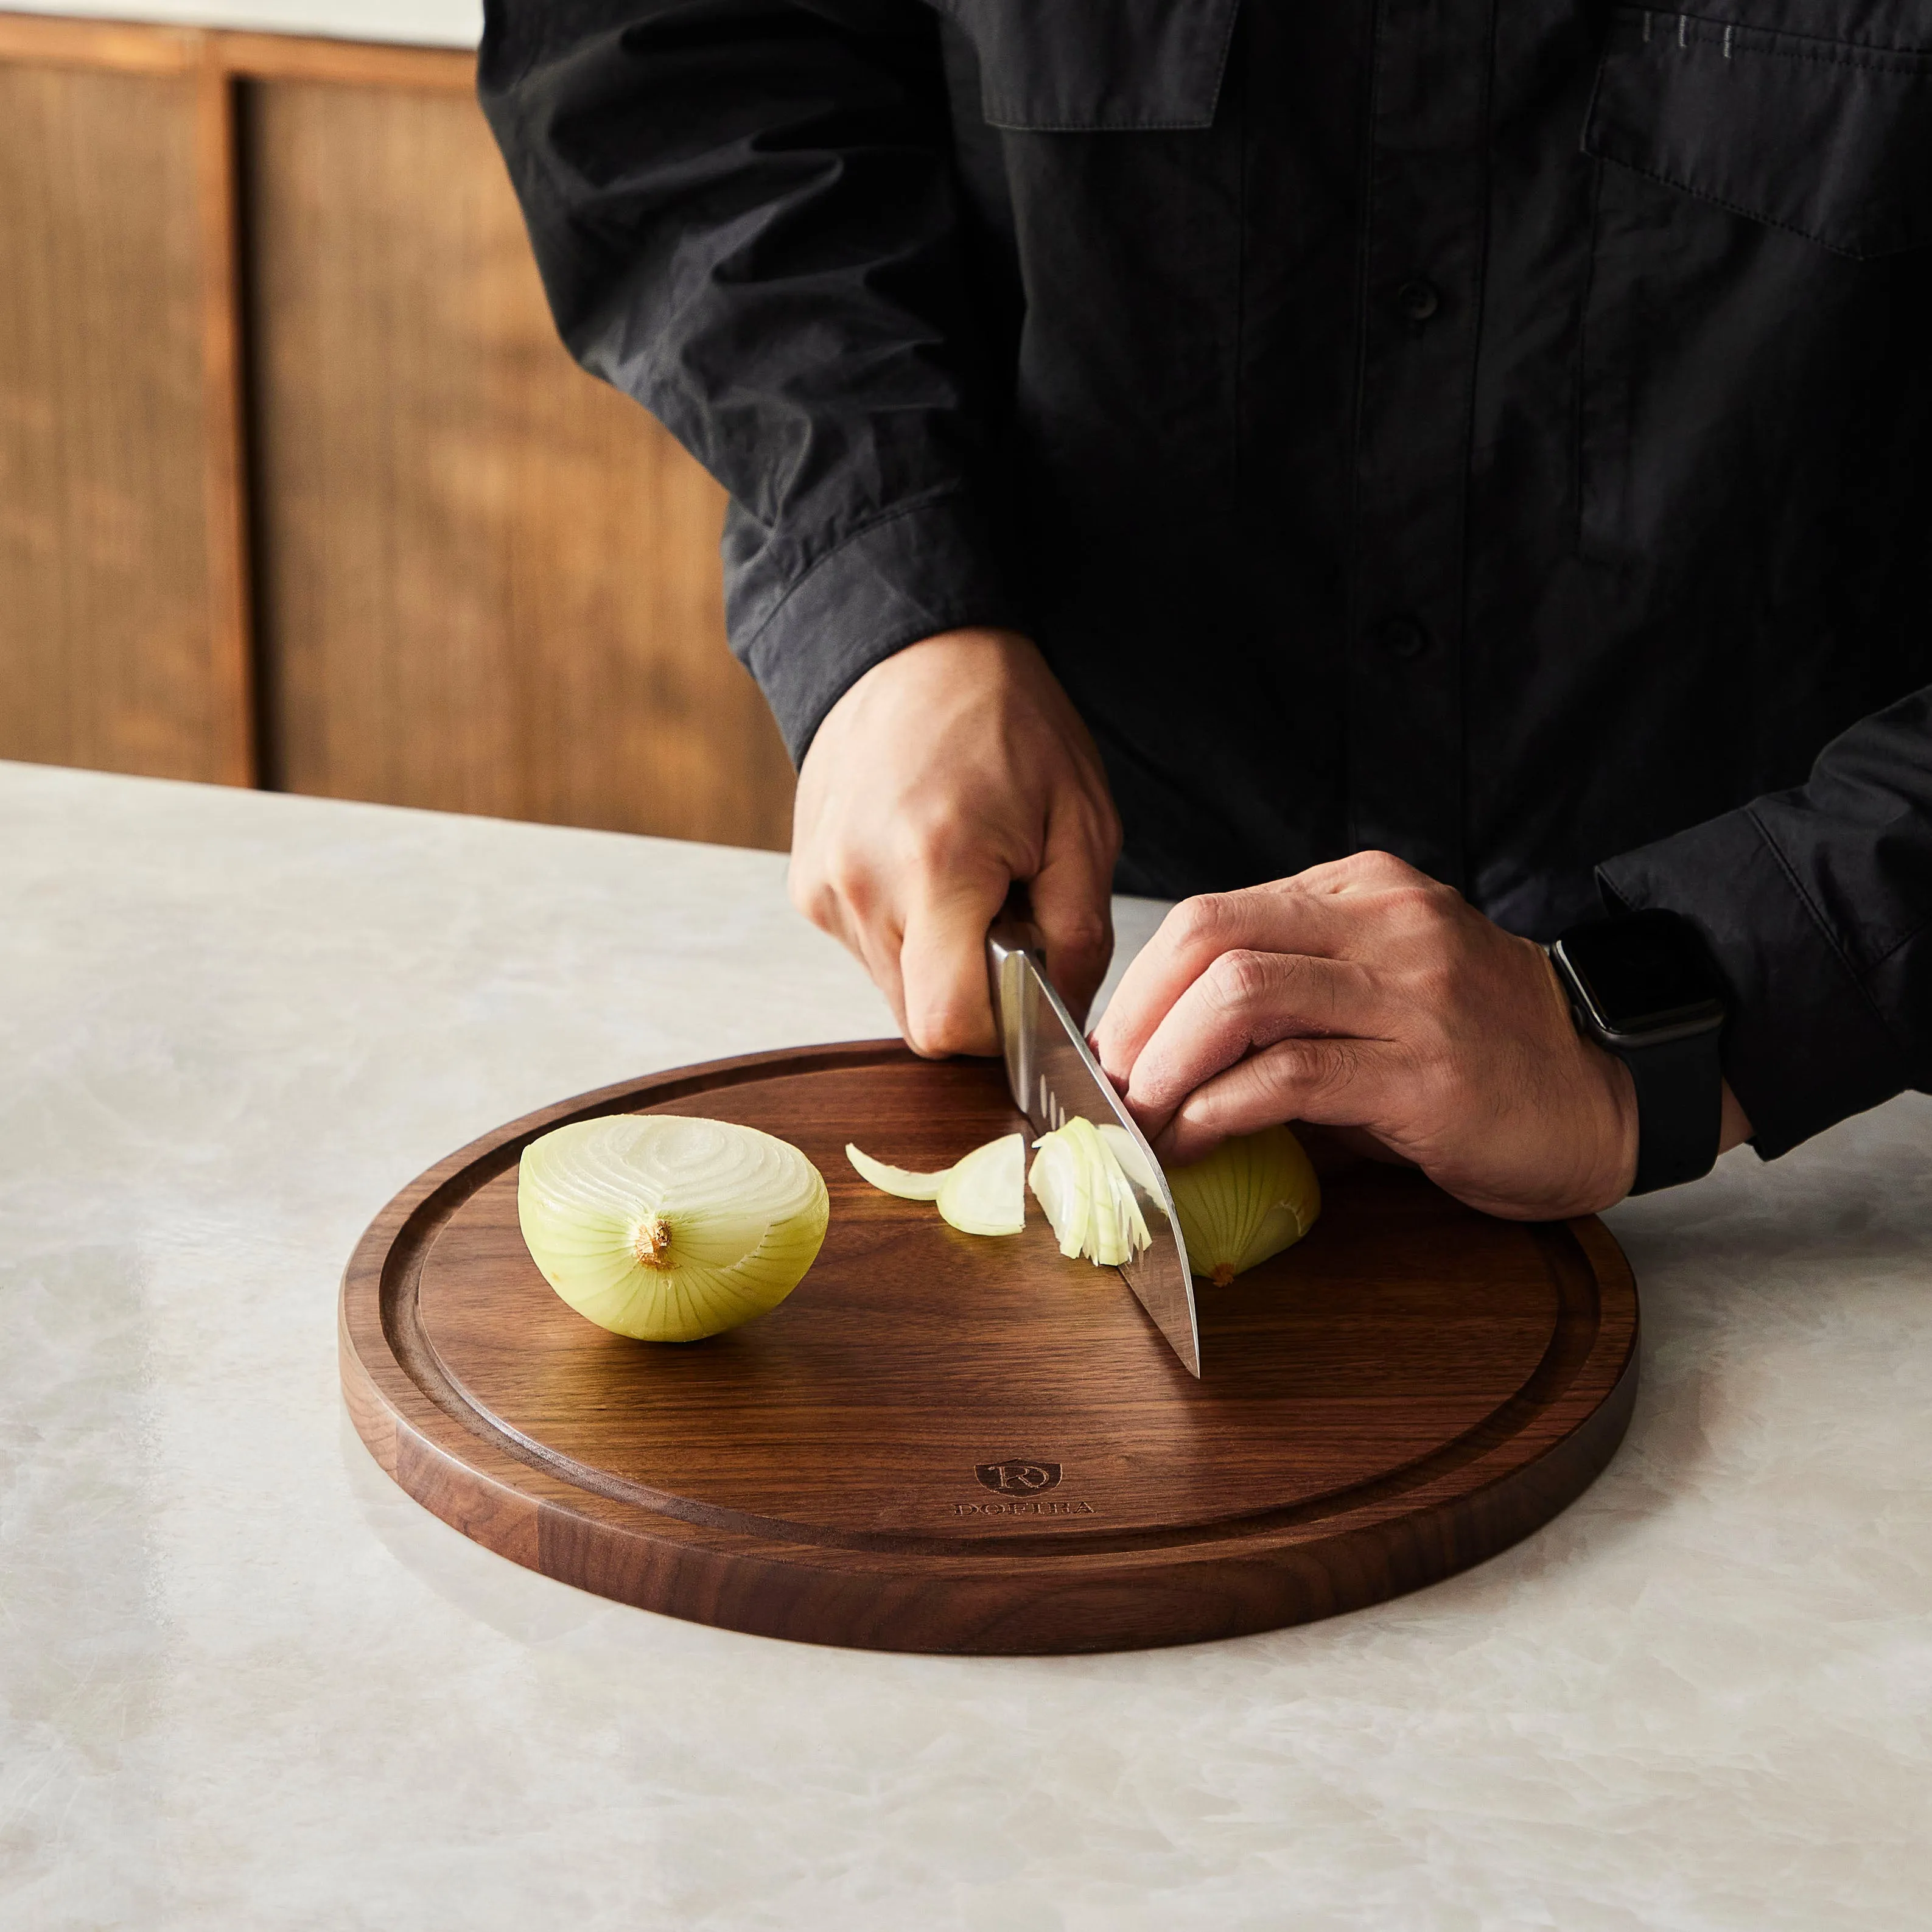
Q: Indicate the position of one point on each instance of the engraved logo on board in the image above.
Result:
(1018, 1479)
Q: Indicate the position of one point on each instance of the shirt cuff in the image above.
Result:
(929, 567)
(1804, 1047)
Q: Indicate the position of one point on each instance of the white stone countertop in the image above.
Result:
(246, 1683)
(427, 23)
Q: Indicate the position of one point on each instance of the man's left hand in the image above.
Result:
(1364, 995)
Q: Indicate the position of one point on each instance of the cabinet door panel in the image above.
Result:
(486, 582)
(119, 642)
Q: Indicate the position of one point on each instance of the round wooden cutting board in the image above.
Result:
(945, 1443)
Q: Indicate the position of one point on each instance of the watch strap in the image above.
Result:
(1680, 1107)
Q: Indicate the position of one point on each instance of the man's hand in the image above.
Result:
(1362, 995)
(948, 770)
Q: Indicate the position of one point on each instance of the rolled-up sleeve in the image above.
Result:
(744, 215)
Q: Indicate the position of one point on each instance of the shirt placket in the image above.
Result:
(1422, 268)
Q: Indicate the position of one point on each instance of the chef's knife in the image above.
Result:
(1053, 1076)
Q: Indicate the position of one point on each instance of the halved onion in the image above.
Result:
(1250, 1198)
(983, 1193)
(669, 1228)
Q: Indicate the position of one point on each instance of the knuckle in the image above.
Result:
(1106, 830)
(1204, 921)
(1082, 935)
(815, 896)
(1313, 1068)
(1412, 893)
(1372, 863)
(851, 884)
(1398, 885)
(934, 841)
(1325, 1071)
(1090, 810)
(1420, 905)
(1240, 980)
(941, 1027)
(1294, 1068)
(1322, 880)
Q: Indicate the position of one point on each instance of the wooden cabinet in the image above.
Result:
(123, 634)
(297, 486)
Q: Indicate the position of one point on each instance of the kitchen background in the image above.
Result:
(298, 488)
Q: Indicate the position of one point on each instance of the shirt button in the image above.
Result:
(1400, 637)
(1419, 300)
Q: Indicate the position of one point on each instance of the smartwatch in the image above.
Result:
(1645, 987)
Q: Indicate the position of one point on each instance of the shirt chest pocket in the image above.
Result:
(1094, 66)
(1758, 260)
(1826, 139)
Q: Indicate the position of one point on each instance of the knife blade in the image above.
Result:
(1053, 1076)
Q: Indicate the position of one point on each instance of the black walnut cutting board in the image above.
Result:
(941, 1443)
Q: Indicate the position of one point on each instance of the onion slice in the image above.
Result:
(1126, 1151)
(983, 1193)
(666, 1228)
(901, 1181)
(1078, 1178)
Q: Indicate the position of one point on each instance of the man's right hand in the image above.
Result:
(948, 770)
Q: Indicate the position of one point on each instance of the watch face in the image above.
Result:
(1644, 972)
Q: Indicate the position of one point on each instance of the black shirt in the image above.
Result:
(1495, 430)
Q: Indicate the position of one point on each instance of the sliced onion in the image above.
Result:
(666, 1228)
(1126, 1151)
(1079, 1182)
(983, 1193)
(1061, 1179)
(901, 1181)
(1250, 1198)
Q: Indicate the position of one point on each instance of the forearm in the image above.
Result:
(744, 213)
